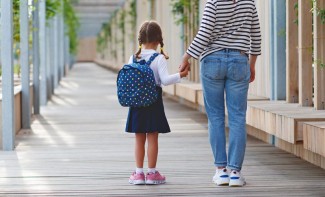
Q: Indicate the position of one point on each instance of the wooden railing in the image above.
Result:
(305, 48)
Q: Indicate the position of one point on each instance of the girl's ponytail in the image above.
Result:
(162, 49)
(137, 55)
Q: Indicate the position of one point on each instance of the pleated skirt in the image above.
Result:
(148, 119)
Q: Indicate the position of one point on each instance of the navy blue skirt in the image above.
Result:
(148, 119)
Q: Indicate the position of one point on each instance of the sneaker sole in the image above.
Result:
(152, 182)
(236, 183)
(137, 182)
(222, 182)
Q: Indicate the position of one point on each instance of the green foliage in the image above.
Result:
(319, 12)
(319, 63)
(282, 32)
(16, 22)
(104, 36)
(183, 11)
(17, 69)
(53, 7)
(133, 14)
(296, 9)
(121, 21)
(72, 24)
(179, 10)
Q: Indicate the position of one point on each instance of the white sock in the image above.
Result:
(139, 170)
(151, 170)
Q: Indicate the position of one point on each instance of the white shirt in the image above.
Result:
(159, 68)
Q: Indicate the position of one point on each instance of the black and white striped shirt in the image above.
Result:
(226, 24)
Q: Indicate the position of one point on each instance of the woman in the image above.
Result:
(228, 43)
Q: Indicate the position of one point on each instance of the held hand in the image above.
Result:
(185, 62)
(184, 73)
(184, 65)
(252, 74)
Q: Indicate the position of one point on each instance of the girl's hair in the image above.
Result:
(149, 32)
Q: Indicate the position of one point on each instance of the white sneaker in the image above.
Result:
(221, 177)
(236, 179)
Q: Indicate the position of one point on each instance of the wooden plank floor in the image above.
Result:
(77, 147)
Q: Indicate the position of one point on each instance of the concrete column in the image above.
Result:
(36, 58)
(42, 34)
(55, 51)
(49, 73)
(278, 49)
(8, 121)
(24, 62)
(62, 40)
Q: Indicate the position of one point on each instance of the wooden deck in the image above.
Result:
(77, 147)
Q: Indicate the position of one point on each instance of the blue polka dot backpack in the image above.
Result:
(136, 85)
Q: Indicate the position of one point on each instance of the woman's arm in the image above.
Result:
(252, 61)
(203, 37)
(255, 44)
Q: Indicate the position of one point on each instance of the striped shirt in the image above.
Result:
(226, 24)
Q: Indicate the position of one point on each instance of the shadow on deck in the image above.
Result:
(78, 147)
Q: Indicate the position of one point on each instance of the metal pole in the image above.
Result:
(42, 34)
(51, 55)
(24, 62)
(67, 52)
(55, 51)
(279, 51)
(8, 121)
(62, 40)
(36, 58)
(48, 61)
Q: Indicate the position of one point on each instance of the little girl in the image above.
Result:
(148, 122)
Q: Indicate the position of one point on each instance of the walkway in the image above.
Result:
(78, 148)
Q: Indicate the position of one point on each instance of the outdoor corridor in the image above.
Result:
(78, 147)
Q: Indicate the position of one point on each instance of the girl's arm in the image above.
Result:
(164, 76)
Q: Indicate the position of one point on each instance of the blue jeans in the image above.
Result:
(226, 72)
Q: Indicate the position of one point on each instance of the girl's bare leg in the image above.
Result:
(152, 151)
(140, 141)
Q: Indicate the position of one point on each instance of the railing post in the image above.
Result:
(36, 58)
(49, 59)
(319, 56)
(271, 47)
(278, 44)
(55, 51)
(305, 53)
(24, 62)
(8, 121)
(67, 52)
(292, 53)
(280, 49)
(42, 35)
(61, 32)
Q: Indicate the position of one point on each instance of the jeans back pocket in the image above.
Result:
(238, 69)
(212, 68)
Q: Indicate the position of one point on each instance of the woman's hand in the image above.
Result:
(252, 74)
(185, 63)
(184, 72)
(252, 61)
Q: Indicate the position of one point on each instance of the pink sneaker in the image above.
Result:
(137, 179)
(155, 178)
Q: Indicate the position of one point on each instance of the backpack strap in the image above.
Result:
(151, 59)
(134, 59)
